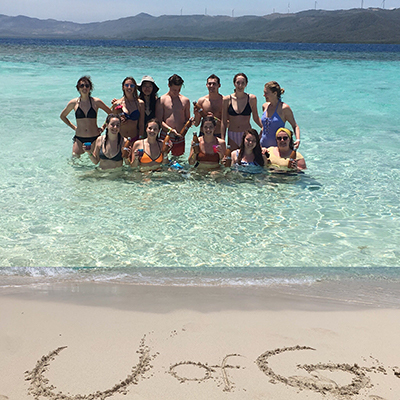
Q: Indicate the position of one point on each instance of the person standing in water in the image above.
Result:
(210, 105)
(275, 114)
(86, 108)
(237, 109)
(148, 93)
(173, 110)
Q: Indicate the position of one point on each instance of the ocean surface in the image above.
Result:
(65, 220)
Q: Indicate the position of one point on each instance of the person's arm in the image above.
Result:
(221, 149)
(141, 118)
(224, 119)
(254, 111)
(100, 104)
(197, 115)
(289, 117)
(234, 156)
(70, 106)
(94, 155)
(134, 158)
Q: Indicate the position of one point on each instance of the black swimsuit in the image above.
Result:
(246, 110)
(92, 114)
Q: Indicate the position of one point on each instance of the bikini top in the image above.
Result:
(246, 110)
(146, 158)
(207, 157)
(133, 116)
(117, 157)
(245, 163)
(79, 114)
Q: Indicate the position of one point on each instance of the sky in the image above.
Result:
(102, 10)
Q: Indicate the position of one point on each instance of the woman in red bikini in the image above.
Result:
(211, 149)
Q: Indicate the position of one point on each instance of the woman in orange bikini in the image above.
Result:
(211, 149)
(148, 152)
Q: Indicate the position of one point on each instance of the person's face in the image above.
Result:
(84, 87)
(208, 128)
(174, 90)
(270, 95)
(147, 88)
(129, 86)
(240, 83)
(152, 129)
(250, 142)
(113, 126)
(213, 85)
(283, 140)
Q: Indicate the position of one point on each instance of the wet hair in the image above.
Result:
(86, 79)
(108, 119)
(274, 87)
(129, 78)
(208, 118)
(175, 80)
(156, 121)
(213, 76)
(240, 74)
(258, 158)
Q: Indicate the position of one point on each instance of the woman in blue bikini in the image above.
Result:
(131, 109)
(275, 114)
(86, 107)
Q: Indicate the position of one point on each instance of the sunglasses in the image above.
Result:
(284, 138)
(84, 85)
(129, 85)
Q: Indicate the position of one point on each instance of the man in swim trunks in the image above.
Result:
(173, 110)
(210, 104)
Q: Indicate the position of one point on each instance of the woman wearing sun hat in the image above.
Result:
(148, 93)
(281, 155)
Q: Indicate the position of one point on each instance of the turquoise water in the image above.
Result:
(343, 212)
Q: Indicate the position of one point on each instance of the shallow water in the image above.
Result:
(342, 212)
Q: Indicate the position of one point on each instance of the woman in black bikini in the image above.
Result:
(148, 93)
(131, 109)
(108, 148)
(86, 107)
(236, 111)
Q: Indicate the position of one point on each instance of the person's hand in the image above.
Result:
(293, 164)
(264, 151)
(296, 144)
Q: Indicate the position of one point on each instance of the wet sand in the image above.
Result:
(98, 341)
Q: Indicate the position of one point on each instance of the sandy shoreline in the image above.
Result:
(91, 341)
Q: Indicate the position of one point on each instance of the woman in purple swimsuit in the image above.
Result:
(86, 107)
(275, 114)
(236, 111)
(131, 109)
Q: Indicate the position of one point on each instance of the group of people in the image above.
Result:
(142, 128)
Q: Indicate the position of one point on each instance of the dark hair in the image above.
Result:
(240, 74)
(208, 118)
(108, 119)
(156, 121)
(274, 87)
(213, 76)
(129, 78)
(153, 97)
(86, 79)
(175, 80)
(258, 158)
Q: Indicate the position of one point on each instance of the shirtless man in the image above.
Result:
(173, 111)
(210, 104)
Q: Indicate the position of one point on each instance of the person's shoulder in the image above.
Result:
(202, 99)
(220, 141)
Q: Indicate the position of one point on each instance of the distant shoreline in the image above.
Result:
(313, 26)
